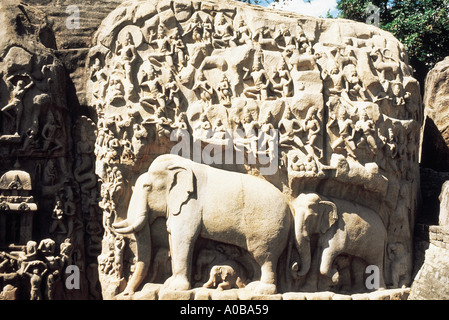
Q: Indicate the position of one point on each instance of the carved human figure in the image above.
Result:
(128, 55)
(283, 86)
(354, 90)
(16, 103)
(283, 36)
(116, 90)
(204, 88)
(179, 51)
(172, 92)
(50, 134)
(58, 219)
(250, 135)
(99, 75)
(261, 82)
(223, 34)
(345, 141)
(35, 281)
(52, 279)
(164, 45)
(119, 246)
(266, 135)
(290, 130)
(153, 92)
(366, 130)
(334, 81)
(390, 150)
(313, 129)
(50, 173)
(208, 30)
(224, 91)
(195, 28)
(399, 262)
(242, 33)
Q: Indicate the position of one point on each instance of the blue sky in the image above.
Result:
(316, 8)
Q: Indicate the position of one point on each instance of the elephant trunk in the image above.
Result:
(303, 246)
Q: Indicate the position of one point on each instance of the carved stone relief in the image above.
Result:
(331, 105)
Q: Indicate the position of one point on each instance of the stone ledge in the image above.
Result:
(155, 292)
(436, 235)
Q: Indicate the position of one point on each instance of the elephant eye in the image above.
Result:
(148, 187)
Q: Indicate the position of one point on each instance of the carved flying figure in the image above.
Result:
(16, 103)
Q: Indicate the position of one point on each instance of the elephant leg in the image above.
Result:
(326, 267)
(182, 242)
(267, 284)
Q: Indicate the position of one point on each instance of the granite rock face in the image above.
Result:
(324, 113)
(436, 134)
(41, 222)
(204, 150)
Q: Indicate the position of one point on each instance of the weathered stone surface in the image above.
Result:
(339, 95)
(41, 216)
(172, 77)
(431, 281)
(435, 152)
(444, 205)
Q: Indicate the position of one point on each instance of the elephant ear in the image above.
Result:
(328, 216)
(180, 189)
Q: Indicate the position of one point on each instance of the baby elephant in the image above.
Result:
(224, 277)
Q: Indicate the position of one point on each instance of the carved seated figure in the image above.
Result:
(152, 90)
(260, 89)
(223, 35)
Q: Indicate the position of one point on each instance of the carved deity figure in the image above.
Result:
(153, 92)
(195, 29)
(242, 34)
(224, 91)
(224, 34)
(289, 130)
(204, 88)
(261, 81)
(346, 133)
(172, 91)
(366, 130)
(128, 54)
(313, 129)
(284, 84)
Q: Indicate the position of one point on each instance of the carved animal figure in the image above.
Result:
(224, 277)
(199, 200)
(342, 228)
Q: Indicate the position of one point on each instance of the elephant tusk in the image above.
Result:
(135, 227)
(121, 224)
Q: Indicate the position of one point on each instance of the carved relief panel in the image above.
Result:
(324, 112)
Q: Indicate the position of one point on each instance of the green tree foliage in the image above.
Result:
(421, 25)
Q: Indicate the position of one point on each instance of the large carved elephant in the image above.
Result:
(342, 227)
(202, 201)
